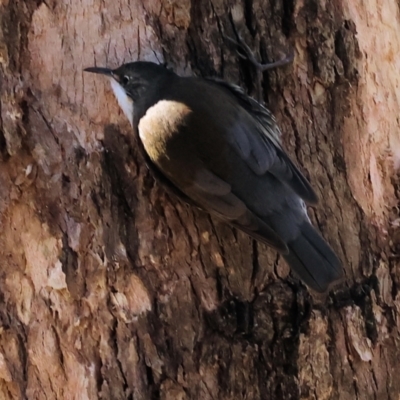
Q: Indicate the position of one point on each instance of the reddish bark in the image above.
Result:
(113, 289)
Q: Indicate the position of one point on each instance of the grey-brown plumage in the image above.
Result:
(221, 149)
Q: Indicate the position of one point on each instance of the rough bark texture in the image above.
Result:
(111, 289)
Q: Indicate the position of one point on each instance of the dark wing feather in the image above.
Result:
(260, 145)
(215, 196)
(179, 164)
(209, 193)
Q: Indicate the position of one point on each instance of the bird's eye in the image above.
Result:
(125, 80)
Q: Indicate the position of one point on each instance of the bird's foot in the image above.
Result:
(249, 55)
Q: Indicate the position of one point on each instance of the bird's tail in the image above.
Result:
(311, 258)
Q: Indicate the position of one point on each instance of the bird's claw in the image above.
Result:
(249, 55)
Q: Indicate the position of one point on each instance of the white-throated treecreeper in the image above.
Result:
(221, 149)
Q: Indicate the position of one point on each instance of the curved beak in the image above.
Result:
(100, 70)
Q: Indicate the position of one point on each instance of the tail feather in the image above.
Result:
(311, 258)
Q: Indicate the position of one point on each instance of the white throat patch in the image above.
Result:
(124, 101)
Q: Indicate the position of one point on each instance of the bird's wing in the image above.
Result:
(215, 195)
(256, 137)
(189, 175)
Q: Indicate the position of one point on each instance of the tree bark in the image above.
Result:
(112, 289)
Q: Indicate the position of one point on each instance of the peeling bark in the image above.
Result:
(113, 289)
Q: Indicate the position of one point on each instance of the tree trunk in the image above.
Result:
(112, 289)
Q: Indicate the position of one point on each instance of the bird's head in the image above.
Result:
(134, 83)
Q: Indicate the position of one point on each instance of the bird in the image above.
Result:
(220, 150)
